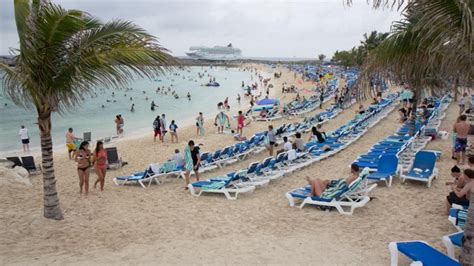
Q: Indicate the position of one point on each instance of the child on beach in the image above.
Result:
(174, 134)
(240, 123)
(100, 164)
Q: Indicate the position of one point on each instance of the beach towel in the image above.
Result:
(334, 189)
(188, 159)
(214, 185)
(168, 166)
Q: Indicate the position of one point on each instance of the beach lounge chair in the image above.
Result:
(29, 164)
(453, 240)
(15, 160)
(420, 253)
(113, 160)
(139, 177)
(387, 167)
(423, 168)
(341, 195)
(226, 185)
(87, 136)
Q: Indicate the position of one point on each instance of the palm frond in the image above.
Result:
(67, 53)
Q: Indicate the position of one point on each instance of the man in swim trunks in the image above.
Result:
(461, 128)
(71, 147)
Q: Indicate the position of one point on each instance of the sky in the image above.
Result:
(260, 28)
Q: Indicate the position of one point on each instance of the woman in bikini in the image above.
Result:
(82, 158)
(100, 164)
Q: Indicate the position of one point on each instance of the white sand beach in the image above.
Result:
(166, 225)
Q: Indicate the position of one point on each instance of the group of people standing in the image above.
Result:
(160, 128)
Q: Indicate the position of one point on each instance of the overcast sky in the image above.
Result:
(272, 28)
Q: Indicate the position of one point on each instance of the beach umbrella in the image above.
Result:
(267, 101)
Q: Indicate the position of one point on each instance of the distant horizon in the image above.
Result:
(287, 29)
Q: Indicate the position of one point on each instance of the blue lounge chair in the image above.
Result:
(423, 168)
(138, 177)
(226, 185)
(386, 169)
(350, 196)
(452, 240)
(420, 252)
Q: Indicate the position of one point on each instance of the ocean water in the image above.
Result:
(91, 117)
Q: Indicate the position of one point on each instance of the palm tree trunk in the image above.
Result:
(50, 195)
(467, 250)
(412, 129)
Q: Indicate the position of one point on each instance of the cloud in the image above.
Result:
(260, 28)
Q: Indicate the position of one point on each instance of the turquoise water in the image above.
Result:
(91, 117)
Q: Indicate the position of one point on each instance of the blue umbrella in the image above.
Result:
(267, 101)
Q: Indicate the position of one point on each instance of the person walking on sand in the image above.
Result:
(238, 99)
(461, 128)
(220, 121)
(240, 123)
(25, 138)
(100, 164)
(157, 128)
(163, 128)
(83, 157)
(192, 160)
(71, 146)
(271, 139)
(173, 133)
(200, 124)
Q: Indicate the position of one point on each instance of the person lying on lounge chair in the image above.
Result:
(318, 185)
(459, 195)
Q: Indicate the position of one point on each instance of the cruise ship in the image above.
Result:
(214, 53)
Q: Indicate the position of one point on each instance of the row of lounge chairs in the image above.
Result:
(230, 154)
(416, 164)
(381, 158)
(259, 174)
(297, 108)
(384, 157)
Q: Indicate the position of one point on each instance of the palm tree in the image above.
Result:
(63, 55)
(321, 58)
(430, 46)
